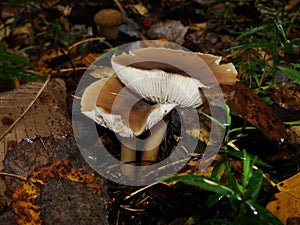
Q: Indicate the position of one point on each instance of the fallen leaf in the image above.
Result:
(287, 202)
(245, 103)
(46, 117)
(62, 169)
(296, 130)
(287, 96)
(291, 186)
(45, 62)
(88, 59)
(140, 9)
(173, 30)
(26, 212)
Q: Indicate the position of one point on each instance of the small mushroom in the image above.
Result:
(108, 21)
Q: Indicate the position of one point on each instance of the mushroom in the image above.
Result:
(111, 104)
(150, 63)
(144, 89)
(108, 21)
(163, 75)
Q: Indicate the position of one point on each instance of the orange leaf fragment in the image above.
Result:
(65, 170)
(27, 191)
(287, 202)
(26, 212)
(44, 174)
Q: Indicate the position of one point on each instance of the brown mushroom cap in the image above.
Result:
(108, 18)
(162, 75)
(109, 103)
(155, 58)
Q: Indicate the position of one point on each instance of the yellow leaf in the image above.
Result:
(291, 186)
(287, 202)
(140, 9)
(27, 191)
(26, 212)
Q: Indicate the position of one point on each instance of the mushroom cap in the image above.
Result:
(150, 73)
(108, 18)
(109, 103)
(224, 73)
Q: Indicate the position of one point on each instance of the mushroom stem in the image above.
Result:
(150, 149)
(151, 146)
(128, 156)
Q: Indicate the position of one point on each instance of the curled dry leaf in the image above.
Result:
(26, 212)
(245, 103)
(287, 202)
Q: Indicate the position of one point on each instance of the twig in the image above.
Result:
(13, 175)
(86, 40)
(141, 190)
(123, 12)
(28, 107)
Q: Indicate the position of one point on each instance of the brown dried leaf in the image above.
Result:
(26, 212)
(287, 202)
(245, 103)
(46, 117)
(296, 130)
(88, 59)
(287, 96)
(46, 57)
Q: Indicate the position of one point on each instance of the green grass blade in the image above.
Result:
(205, 183)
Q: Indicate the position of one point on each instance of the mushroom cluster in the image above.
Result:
(142, 90)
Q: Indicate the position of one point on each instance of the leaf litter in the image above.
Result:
(201, 34)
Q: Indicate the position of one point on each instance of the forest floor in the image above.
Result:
(47, 52)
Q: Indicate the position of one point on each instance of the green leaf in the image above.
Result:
(240, 155)
(291, 123)
(293, 74)
(253, 45)
(7, 72)
(14, 59)
(296, 65)
(205, 183)
(295, 41)
(255, 183)
(233, 183)
(218, 171)
(214, 120)
(247, 170)
(260, 215)
(253, 30)
(211, 201)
